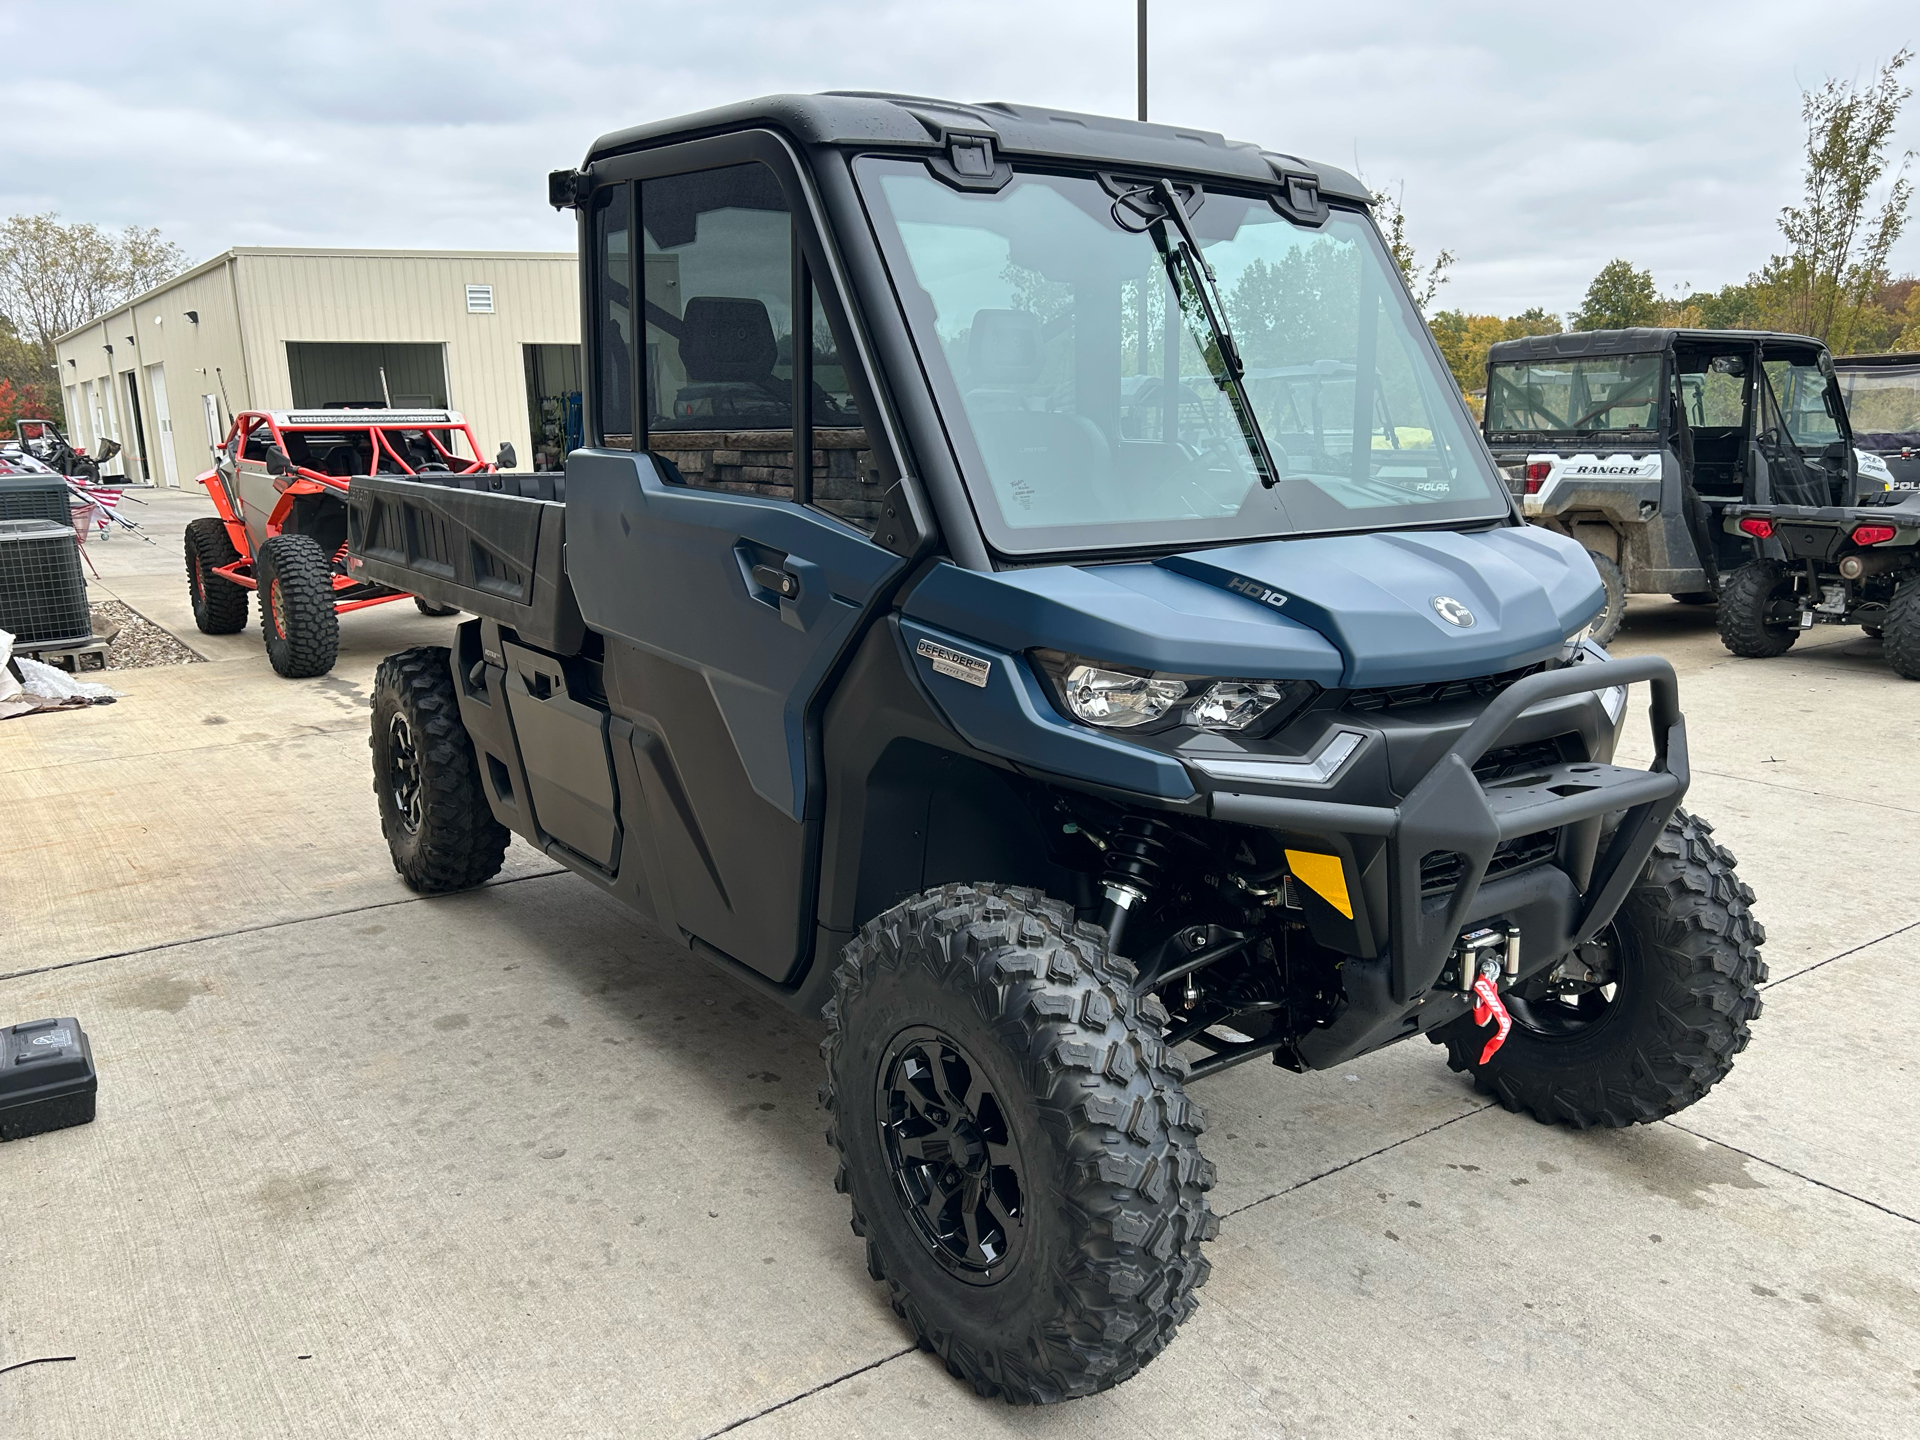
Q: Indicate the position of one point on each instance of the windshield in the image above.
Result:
(1801, 393)
(1606, 393)
(1090, 401)
(1883, 401)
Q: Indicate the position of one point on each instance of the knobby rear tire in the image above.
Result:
(1745, 599)
(1900, 633)
(1615, 615)
(455, 843)
(219, 605)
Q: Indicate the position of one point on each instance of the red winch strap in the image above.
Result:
(1487, 1006)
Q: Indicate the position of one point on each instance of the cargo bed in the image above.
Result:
(492, 545)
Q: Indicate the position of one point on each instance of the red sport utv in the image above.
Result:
(280, 484)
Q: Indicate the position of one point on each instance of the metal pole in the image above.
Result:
(1142, 49)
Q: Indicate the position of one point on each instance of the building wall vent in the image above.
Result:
(479, 299)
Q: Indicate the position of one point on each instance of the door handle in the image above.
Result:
(783, 583)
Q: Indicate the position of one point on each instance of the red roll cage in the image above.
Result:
(378, 427)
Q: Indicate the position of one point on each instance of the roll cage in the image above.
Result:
(386, 442)
(288, 471)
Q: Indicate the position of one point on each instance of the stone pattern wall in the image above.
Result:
(760, 462)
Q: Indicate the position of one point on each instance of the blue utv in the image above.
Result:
(1032, 594)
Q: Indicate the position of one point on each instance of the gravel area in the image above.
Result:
(138, 643)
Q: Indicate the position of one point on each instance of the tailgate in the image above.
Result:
(483, 543)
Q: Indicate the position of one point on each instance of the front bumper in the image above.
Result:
(1400, 937)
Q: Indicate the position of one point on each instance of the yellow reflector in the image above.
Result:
(1324, 875)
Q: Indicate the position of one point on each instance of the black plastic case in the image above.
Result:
(46, 1078)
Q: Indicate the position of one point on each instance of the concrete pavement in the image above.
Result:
(510, 1163)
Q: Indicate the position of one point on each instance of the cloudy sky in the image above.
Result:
(1535, 141)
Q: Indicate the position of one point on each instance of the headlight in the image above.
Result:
(1119, 701)
(1234, 704)
(1115, 698)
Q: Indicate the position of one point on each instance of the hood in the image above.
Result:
(1342, 611)
(1413, 607)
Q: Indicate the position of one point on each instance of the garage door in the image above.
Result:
(336, 373)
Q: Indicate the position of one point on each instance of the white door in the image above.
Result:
(163, 422)
(215, 435)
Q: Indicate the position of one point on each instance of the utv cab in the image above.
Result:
(1634, 441)
(1883, 406)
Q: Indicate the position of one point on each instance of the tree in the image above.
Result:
(1619, 298)
(26, 383)
(1838, 241)
(1465, 339)
(1423, 281)
(54, 277)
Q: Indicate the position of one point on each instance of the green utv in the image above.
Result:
(1032, 593)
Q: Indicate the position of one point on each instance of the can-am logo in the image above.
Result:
(1254, 590)
(1452, 611)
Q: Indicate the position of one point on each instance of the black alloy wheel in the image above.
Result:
(953, 1157)
(1576, 995)
(403, 773)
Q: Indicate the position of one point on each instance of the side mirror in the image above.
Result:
(506, 459)
(277, 462)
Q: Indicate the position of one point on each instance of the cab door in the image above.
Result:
(249, 485)
(720, 530)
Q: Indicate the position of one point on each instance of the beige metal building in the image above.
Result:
(493, 334)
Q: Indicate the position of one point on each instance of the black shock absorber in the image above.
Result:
(1137, 858)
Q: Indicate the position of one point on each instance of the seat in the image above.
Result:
(343, 460)
(1048, 467)
(728, 350)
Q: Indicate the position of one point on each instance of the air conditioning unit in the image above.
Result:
(43, 595)
(35, 497)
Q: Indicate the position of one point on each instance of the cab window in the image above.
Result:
(613, 348)
(724, 362)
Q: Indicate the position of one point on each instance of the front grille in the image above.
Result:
(1406, 697)
(43, 595)
(1512, 760)
(1440, 869)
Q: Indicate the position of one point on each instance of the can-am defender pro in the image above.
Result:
(1634, 441)
(1032, 589)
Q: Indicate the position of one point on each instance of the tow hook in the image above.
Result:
(1487, 1007)
(1480, 961)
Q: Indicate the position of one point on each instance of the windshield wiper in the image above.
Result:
(1232, 367)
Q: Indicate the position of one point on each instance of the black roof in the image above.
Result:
(1648, 341)
(862, 118)
(1899, 360)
